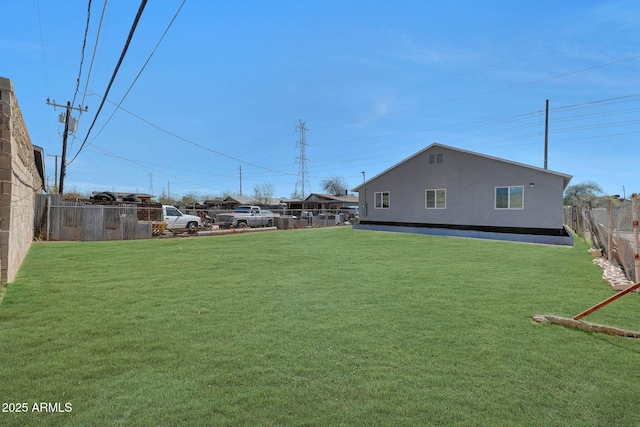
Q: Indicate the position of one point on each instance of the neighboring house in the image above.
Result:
(291, 204)
(232, 202)
(324, 202)
(216, 203)
(448, 191)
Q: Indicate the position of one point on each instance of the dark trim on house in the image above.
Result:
(513, 234)
(486, 229)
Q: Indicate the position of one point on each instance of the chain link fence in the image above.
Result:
(614, 230)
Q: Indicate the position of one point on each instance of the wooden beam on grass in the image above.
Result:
(585, 326)
(575, 322)
(607, 301)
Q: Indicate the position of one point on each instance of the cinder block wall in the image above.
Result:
(19, 182)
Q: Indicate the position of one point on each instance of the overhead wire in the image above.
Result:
(95, 49)
(84, 44)
(140, 164)
(462, 129)
(113, 76)
(608, 29)
(479, 124)
(607, 101)
(141, 70)
(382, 115)
(93, 55)
(195, 144)
(489, 92)
(401, 111)
(118, 106)
(44, 59)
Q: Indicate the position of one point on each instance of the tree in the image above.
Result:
(225, 194)
(583, 195)
(334, 185)
(190, 199)
(263, 193)
(74, 193)
(166, 200)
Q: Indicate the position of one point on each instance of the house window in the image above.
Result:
(382, 200)
(435, 158)
(436, 199)
(510, 197)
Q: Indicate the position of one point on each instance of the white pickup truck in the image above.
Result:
(176, 219)
(246, 216)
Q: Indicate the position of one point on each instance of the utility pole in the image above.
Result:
(303, 173)
(55, 182)
(241, 180)
(546, 134)
(67, 120)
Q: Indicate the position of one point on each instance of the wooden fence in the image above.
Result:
(56, 219)
(62, 220)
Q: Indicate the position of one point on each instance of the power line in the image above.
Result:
(520, 122)
(531, 82)
(118, 106)
(491, 122)
(95, 48)
(140, 72)
(195, 144)
(44, 61)
(450, 79)
(607, 101)
(113, 76)
(140, 164)
(84, 44)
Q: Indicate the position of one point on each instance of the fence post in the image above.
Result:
(609, 232)
(48, 217)
(636, 252)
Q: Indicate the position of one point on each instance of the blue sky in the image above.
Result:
(373, 81)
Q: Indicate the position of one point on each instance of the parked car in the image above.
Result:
(350, 211)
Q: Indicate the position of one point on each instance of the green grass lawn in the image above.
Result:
(323, 327)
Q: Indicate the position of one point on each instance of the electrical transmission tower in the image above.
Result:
(303, 173)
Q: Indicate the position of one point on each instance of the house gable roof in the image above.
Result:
(243, 200)
(249, 200)
(566, 178)
(318, 197)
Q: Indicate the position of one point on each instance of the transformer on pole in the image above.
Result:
(70, 126)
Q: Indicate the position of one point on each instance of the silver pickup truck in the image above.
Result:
(246, 216)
